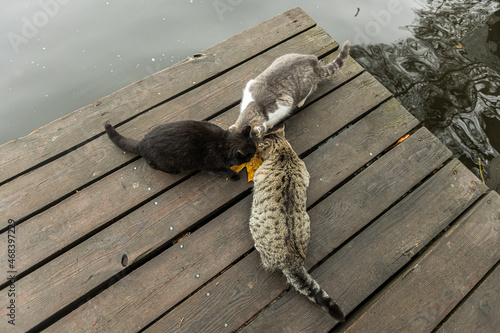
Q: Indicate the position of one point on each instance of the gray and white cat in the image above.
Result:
(279, 222)
(270, 97)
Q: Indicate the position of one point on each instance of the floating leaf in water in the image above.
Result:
(251, 166)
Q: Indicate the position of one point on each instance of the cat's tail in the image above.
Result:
(304, 283)
(335, 65)
(132, 146)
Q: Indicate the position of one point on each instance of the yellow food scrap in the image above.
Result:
(251, 166)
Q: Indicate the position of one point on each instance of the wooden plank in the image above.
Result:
(232, 299)
(165, 280)
(59, 178)
(422, 295)
(93, 206)
(480, 313)
(85, 123)
(238, 288)
(354, 147)
(96, 255)
(109, 306)
(143, 230)
(367, 261)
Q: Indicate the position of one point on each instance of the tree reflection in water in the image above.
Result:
(431, 77)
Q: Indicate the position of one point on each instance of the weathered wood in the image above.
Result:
(480, 313)
(166, 279)
(211, 280)
(342, 220)
(92, 207)
(230, 291)
(423, 294)
(210, 260)
(93, 260)
(83, 124)
(353, 148)
(21, 196)
(232, 299)
(97, 260)
(384, 247)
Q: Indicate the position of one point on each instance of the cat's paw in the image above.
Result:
(233, 128)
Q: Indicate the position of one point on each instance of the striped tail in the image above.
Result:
(304, 283)
(132, 146)
(335, 65)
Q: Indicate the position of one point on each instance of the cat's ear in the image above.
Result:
(242, 156)
(239, 155)
(281, 131)
(264, 144)
(258, 131)
(233, 128)
(245, 131)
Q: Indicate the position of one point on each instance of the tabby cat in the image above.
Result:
(190, 145)
(279, 222)
(270, 97)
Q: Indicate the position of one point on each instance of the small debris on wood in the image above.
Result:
(403, 138)
(220, 121)
(481, 170)
(93, 326)
(182, 237)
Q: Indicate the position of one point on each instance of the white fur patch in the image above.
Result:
(304, 100)
(247, 96)
(278, 115)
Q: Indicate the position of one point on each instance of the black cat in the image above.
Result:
(190, 145)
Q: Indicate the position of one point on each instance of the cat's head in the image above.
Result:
(243, 146)
(271, 141)
(251, 116)
(257, 131)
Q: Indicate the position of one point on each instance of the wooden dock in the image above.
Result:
(403, 237)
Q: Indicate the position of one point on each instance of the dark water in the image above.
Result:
(437, 57)
(435, 77)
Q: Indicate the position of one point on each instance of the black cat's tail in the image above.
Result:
(335, 65)
(132, 146)
(304, 283)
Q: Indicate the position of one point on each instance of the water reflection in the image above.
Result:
(431, 76)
